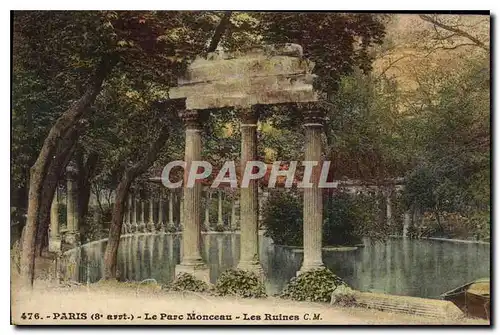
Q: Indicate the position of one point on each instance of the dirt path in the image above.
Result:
(151, 306)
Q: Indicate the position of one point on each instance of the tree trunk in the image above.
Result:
(115, 228)
(86, 171)
(57, 165)
(40, 168)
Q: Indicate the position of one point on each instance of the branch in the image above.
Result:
(455, 30)
(219, 32)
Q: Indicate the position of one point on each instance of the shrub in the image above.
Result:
(187, 282)
(241, 283)
(315, 285)
(283, 219)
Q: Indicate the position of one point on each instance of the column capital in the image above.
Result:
(249, 116)
(313, 117)
(193, 118)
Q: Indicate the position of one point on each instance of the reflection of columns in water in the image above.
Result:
(313, 199)
(150, 247)
(234, 250)
(249, 240)
(406, 223)
(219, 208)
(143, 263)
(170, 242)
(234, 222)
(207, 247)
(161, 247)
(135, 259)
(220, 249)
(208, 196)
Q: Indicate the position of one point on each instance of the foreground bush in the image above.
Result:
(240, 283)
(187, 282)
(320, 285)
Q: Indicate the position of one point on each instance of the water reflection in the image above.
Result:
(419, 268)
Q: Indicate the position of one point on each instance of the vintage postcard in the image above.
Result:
(250, 168)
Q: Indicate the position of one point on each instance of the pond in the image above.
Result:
(420, 268)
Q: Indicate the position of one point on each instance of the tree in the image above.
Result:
(147, 45)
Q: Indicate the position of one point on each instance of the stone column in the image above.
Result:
(220, 222)
(388, 209)
(54, 237)
(192, 261)
(160, 214)
(249, 239)
(143, 216)
(181, 208)
(151, 226)
(171, 209)
(134, 214)
(313, 199)
(129, 214)
(73, 221)
(406, 223)
(207, 209)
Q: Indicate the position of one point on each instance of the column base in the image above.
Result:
(200, 271)
(309, 267)
(55, 244)
(252, 266)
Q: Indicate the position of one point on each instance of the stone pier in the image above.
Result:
(208, 195)
(161, 224)
(192, 261)
(171, 209)
(72, 217)
(313, 199)
(151, 220)
(249, 204)
(220, 222)
(54, 235)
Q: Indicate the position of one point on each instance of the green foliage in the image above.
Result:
(187, 282)
(315, 285)
(241, 283)
(283, 220)
(344, 219)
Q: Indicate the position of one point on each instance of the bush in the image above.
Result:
(187, 282)
(318, 286)
(283, 219)
(240, 283)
